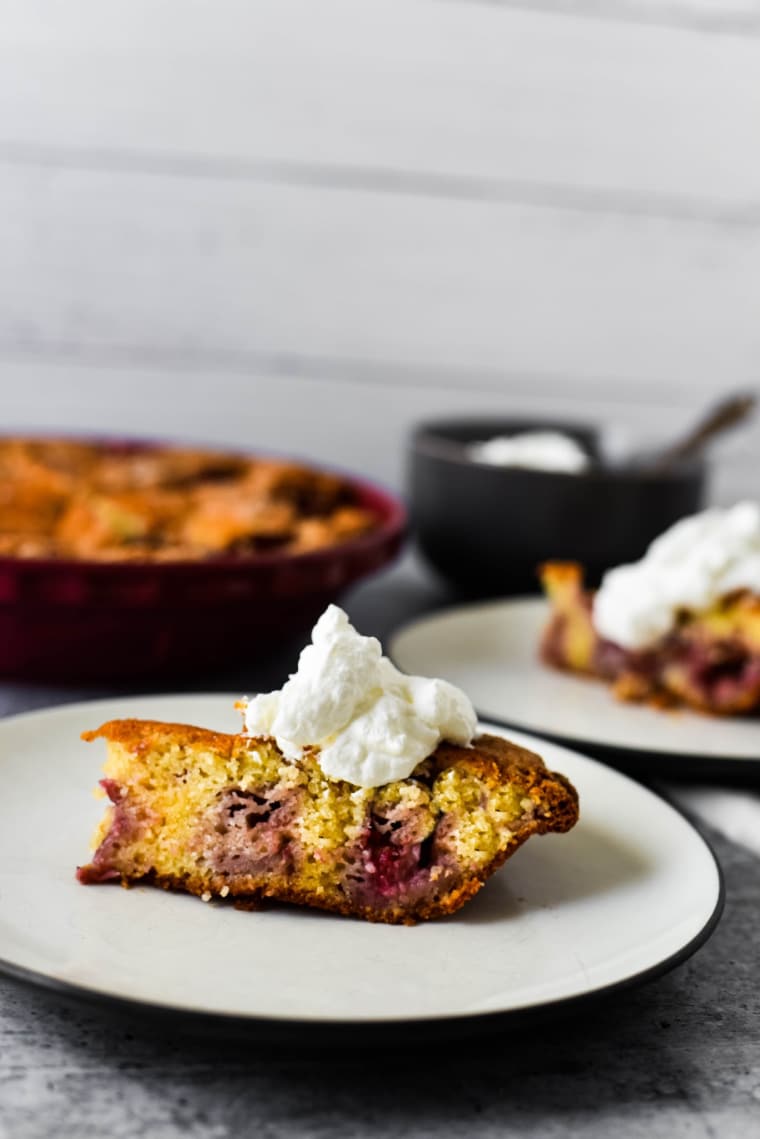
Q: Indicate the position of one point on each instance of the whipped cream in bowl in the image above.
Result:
(691, 566)
(535, 450)
(370, 723)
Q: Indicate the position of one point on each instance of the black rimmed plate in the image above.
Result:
(490, 649)
(631, 891)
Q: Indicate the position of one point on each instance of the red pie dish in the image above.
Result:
(104, 573)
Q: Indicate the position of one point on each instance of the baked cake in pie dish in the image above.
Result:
(354, 789)
(130, 558)
(105, 501)
(682, 626)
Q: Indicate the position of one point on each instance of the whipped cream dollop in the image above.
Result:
(541, 450)
(697, 561)
(371, 723)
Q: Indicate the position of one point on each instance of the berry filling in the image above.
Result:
(722, 675)
(122, 830)
(253, 832)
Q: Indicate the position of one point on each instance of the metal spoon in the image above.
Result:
(728, 413)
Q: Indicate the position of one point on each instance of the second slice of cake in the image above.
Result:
(682, 625)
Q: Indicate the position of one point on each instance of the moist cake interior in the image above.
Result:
(227, 816)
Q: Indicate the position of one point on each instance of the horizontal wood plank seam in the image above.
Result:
(286, 364)
(381, 180)
(674, 17)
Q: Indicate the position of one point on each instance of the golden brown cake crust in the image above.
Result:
(146, 733)
(550, 800)
(495, 759)
(63, 499)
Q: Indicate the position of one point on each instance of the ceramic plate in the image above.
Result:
(491, 651)
(632, 890)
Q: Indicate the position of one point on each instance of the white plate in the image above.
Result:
(629, 892)
(491, 651)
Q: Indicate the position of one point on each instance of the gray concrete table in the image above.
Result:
(677, 1057)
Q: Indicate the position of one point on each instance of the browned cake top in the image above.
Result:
(492, 758)
(147, 733)
(488, 752)
(67, 499)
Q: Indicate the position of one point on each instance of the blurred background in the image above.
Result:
(304, 226)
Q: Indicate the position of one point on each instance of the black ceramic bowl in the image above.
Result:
(486, 528)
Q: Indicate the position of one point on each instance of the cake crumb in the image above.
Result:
(349, 850)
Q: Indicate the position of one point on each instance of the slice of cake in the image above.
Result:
(393, 811)
(680, 626)
(227, 815)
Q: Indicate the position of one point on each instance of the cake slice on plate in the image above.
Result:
(353, 789)
(680, 626)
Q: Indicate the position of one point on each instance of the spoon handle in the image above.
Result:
(725, 414)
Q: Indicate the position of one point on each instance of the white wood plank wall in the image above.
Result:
(310, 223)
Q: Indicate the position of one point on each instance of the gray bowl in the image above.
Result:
(486, 529)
